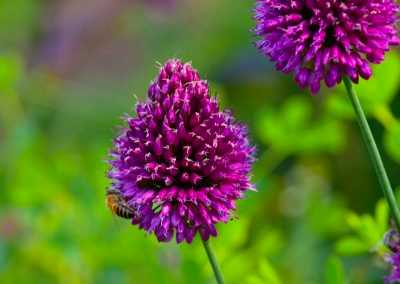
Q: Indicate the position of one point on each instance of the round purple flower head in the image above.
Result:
(181, 163)
(326, 39)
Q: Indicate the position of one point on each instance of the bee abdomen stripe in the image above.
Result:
(124, 212)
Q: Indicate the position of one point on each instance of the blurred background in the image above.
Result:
(69, 70)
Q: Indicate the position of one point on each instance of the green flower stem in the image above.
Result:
(374, 153)
(213, 262)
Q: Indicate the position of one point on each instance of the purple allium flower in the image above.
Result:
(326, 39)
(394, 276)
(392, 241)
(182, 163)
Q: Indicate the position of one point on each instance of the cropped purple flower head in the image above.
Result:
(326, 39)
(392, 241)
(181, 163)
(394, 276)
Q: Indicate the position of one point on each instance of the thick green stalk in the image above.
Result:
(213, 262)
(374, 153)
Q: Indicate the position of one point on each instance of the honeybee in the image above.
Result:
(118, 205)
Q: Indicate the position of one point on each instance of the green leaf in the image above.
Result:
(354, 221)
(382, 216)
(351, 246)
(369, 230)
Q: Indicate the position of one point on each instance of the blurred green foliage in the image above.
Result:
(68, 72)
(368, 232)
(334, 271)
